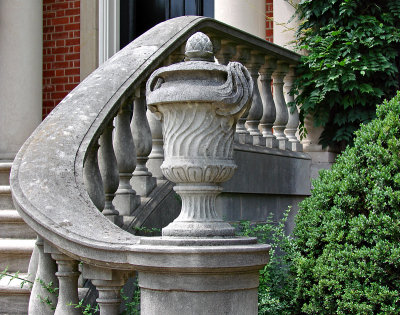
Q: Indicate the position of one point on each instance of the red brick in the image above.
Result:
(77, 49)
(72, 27)
(47, 58)
(59, 5)
(59, 35)
(77, 79)
(48, 29)
(70, 87)
(48, 15)
(72, 56)
(60, 21)
(48, 103)
(71, 42)
(59, 80)
(48, 88)
(60, 43)
(60, 65)
(60, 88)
(60, 57)
(75, 11)
(58, 95)
(77, 63)
(71, 71)
(60, 13)
(59, 28)
(59, 50)
(60, 73)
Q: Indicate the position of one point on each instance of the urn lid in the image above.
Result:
(201, 79)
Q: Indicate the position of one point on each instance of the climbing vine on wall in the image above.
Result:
(351, 64)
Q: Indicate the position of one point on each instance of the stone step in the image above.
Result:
(12, 226)
(14, 299)
(15, 254)
(5, 167)
(5, 198)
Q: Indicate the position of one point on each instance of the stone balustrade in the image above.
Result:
(101, 151)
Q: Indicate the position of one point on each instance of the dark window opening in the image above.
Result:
(138, 16)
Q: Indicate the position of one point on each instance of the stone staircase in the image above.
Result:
(16, 245)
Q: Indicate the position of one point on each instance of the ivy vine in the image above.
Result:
(351, 63)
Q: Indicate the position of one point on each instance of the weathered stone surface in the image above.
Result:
(199, 102)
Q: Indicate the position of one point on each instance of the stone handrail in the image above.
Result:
(47, 177)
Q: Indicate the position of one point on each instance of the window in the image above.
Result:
(138, 16)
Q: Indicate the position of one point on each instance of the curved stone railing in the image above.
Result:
(60, 179)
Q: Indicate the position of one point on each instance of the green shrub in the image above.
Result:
(277, 280)
(351, 65)
(348, 232)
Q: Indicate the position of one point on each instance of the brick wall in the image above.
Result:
(61, 61)
(269, 32)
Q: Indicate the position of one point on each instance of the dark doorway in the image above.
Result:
(138, 16)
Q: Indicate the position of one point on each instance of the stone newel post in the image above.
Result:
(198, 266)
(199, 103)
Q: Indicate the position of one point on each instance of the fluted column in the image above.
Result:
(256, 109)
(242, 135)
(92, 178)
(109, 173)
(280, 105)
(67, 275)
(269, 111)
(125, 199)
(293, 122)
(45, 277)
(142, 180)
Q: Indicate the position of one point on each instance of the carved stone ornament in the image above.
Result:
(199, 103)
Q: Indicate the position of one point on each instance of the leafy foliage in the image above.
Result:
(351, 64)
(277, 281)
(348, 232)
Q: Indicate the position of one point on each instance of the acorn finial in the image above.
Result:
(199, 48)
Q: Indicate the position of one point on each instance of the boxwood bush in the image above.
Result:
(348, 232)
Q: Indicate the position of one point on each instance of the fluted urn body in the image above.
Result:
(199, 103)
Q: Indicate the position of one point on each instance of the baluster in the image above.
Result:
(45, 276)
(126, 199)
(269, 111)
(156, 156)
(92, 178)
(108, 283)
(293, 122)
(67, 275)
(33, 264)
(177, 56)
(280, 105)
(242, 135)
(226, 52)
(142, 180)
(109, 173)
(256, 109)
(216, 43)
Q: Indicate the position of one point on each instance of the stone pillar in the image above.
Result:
(21, 39)
(198, 266)
(246, 15)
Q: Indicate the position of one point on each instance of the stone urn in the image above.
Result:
(199, 103)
